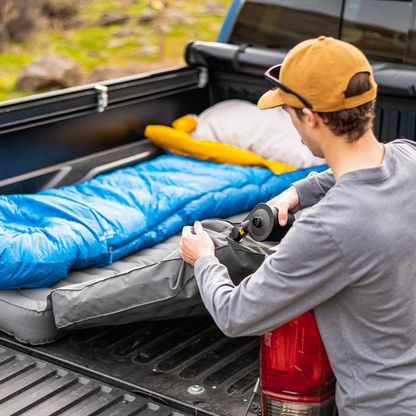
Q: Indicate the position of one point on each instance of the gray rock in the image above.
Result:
(49, 72)
(110, 18)
(147, 16)
(18, 19)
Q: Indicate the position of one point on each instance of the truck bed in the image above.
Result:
(136, 366)
(159, 362)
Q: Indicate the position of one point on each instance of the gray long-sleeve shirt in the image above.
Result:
(352, 258)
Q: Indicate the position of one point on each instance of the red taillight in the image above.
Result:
(294, 365)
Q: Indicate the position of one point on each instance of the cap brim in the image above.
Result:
(270, 99)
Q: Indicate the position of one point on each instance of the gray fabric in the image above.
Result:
(155, 286)
(351, 257)
(314, 187)
(27, 315)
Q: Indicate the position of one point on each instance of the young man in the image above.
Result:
(352, 256)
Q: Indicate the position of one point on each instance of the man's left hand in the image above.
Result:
(196, 244)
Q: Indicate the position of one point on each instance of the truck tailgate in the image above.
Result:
(189, 360)
(31, 386)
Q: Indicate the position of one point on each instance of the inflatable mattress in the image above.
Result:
(106, 252)
(153, 283)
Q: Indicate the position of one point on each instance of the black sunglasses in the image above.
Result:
(272, 78)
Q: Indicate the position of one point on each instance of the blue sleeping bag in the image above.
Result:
(44, 235)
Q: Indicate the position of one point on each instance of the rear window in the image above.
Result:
(284, 23)
(382, 29)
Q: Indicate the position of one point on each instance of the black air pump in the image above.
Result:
(262, 224)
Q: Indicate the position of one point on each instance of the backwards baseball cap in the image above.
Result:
(315, 74)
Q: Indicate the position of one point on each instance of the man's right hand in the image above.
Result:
(284, 202)
(195, 244)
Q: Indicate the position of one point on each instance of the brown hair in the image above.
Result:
(351, 123)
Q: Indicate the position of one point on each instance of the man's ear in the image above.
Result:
(311, 117)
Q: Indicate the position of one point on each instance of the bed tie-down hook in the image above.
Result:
(102, 98)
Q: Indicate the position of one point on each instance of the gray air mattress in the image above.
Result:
(153, 283)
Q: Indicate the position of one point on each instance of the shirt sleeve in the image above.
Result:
(314, 187)
(290, 282)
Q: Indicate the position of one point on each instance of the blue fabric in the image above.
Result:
(44, 235)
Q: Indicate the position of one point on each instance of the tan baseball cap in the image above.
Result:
(315, 74)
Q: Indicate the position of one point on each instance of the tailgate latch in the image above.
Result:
(102, 98)
(203, 77)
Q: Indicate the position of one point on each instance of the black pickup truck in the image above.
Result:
(181, 366)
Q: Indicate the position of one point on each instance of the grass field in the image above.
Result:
(131, 44)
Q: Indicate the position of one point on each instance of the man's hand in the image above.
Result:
(195, 245)
(286, 201)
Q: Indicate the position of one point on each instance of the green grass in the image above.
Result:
(91, 45)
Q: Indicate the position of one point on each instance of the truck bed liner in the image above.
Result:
(31, 386)
(164, 360)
